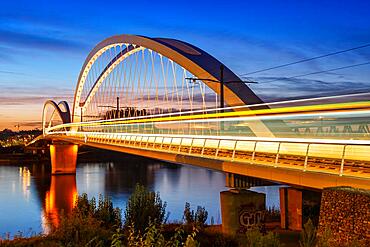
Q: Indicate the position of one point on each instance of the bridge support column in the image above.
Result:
(293, 202)
(241, 210)
(63, 158)
(290, 208)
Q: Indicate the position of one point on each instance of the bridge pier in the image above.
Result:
(63, 158)
(290, 208)
(297, 206)
(241, 210)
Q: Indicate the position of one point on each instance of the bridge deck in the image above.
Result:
(270, 139)
(245, 157)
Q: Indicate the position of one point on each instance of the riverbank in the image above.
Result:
(16, 158)
(97, 223)
(209, 236)
(143, 223)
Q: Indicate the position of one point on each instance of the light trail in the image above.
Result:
(227, 108)
(263, 112)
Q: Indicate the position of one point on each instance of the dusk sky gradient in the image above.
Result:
(43, 44)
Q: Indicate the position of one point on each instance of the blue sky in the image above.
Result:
(44, 43)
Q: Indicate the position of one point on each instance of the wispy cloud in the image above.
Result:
(11, 72)
(285, 87)
(39, 41)
(13, 95)
(19, 100)
(32, 124)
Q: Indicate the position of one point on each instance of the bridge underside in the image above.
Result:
(313, 178)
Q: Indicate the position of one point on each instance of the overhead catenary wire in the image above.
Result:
(319, 72)
(306, 60)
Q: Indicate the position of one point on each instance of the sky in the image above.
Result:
(43, 44)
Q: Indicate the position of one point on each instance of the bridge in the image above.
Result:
(160, 98)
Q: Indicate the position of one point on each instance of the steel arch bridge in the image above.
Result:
(133, 95)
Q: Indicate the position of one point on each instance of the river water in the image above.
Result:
(31, 199)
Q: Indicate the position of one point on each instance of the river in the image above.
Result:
(30, 198)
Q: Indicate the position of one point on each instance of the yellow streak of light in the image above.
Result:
(284, 110)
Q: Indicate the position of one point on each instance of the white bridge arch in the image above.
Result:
(196, 61)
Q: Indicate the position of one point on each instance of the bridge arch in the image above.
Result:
(61, 109)
(196, 61)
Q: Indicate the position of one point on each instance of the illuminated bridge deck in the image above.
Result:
(339, 158)
(223, 141)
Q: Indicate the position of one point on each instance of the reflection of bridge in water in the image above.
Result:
(133, 96)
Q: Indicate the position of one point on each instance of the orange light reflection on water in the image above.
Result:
(60, 199)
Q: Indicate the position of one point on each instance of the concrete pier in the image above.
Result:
(241, 210)
(291, 208)
(63, 158)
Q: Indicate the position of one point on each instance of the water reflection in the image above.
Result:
(25, 177)
(31, 198)
(60, 199)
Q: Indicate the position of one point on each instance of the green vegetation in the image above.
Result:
(199, 218)
(98, 223)
(308, 235)
(254, 238)
(144, 207)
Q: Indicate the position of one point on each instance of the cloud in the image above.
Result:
(39, 41)
(11, 72)
(34, 124)
(27, 100)
(35, 90)
(285, 87)
(12, 95)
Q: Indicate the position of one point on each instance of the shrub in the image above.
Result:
(78, 230)
(143, 207)
(104, 211)
(308, 235)
(117, 238)
(188, 214)
(88, 224)
(153, 237)
(254, 238)
(199, 218)
(110, 216)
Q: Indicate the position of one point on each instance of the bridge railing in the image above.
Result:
(319, 155)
